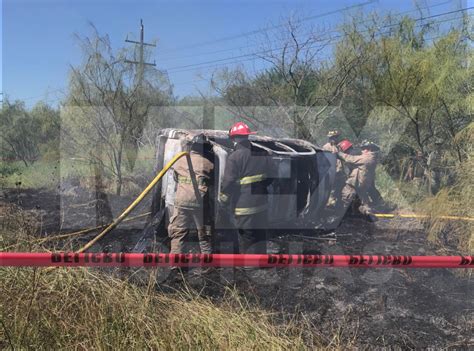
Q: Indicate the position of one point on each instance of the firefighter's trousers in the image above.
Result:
(347, 196)
(252, 233)
(182, 222)
(339, 183)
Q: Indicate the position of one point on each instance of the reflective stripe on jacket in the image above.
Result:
(246, 178)
(252, 179)
(242, 211)
(187, 180)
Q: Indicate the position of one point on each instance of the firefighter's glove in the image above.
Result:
(223, 200)
(223, 209)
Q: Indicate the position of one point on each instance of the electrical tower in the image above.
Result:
(141, 60)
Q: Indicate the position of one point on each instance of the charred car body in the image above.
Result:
(299, 190)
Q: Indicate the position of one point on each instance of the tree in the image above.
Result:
(108, 107)
(48, 120)
(19, 133)
(418, 70)
(299, 80)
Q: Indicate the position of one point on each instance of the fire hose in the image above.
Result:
(134, 203)
(79, 258)
(421, 216)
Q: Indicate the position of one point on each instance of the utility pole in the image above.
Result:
(141, 63)
(136, 129)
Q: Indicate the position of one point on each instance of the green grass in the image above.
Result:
(48, 173)
(45, 173)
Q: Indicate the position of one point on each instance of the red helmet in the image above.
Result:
(240, 128)
(344, 145)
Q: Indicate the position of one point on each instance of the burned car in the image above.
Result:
(299, 190)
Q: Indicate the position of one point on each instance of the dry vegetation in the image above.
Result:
(455, 199)
(91, 309)
(84, 309)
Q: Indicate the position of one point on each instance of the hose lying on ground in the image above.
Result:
(88, 230)
(134, 203)
(455, 218)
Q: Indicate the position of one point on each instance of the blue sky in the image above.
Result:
(38, 44)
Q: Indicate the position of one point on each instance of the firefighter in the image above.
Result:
(333, 140)
(340, 177)
(244, 189)
(376, 199)
(361, 178)
(191, 204)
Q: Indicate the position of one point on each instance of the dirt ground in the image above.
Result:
(411, 308)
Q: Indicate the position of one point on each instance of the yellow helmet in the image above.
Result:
(333, 133)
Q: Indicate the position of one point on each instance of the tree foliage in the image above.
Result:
(26, 134)
(300, 83)
(417, 71)
(401, 72)
(108, 105)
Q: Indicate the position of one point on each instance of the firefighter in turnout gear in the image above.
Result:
(191, 206)
(244, 189)
(376, 200)
(360, 180)
(340, 178)
(333, 140)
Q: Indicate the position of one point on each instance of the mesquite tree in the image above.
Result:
(108, 107)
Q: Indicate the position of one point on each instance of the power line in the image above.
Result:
(256, 57)
(250, 56)
(42, 95)
(164, 58)
(253, 32)
(330, 40)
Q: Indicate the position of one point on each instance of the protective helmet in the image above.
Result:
(199, 139)
(333, 133)
(366, 144)
(196, 143)
(240, 128)
(344, 145)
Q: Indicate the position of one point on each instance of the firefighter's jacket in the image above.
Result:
(246, 178)
(334, 149)
(203, 172)
(363, 169)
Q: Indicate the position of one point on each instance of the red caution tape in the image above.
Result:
(27, 259)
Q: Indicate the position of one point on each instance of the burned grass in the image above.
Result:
(272, 308)
(97, 309)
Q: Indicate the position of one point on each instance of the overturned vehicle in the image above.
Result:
(297, 195)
